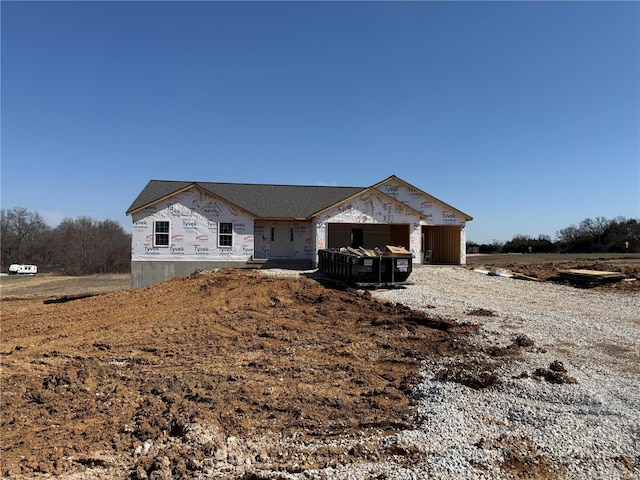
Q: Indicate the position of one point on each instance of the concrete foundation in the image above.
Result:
(145, 273)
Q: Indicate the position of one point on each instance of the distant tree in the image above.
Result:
(568, 234)
(600, 226)
(25, 237)
(573, 239)
(600, 235)
(495, 247)
(78, 246)
(473, 247)
(86, 246)
(591, 231)
(527, 244)
(518, 244)
(115, 246)
(620, 231)
(590, 235)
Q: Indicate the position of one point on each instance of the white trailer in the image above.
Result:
(17, 269)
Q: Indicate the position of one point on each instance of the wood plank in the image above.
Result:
(590, 277)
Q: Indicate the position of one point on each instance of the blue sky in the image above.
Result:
(524, 115)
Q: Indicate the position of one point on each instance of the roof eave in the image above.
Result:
(195, 185)
(282, 219)
(158, 200)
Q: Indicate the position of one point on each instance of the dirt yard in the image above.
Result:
(228, 365)
(54, 286)
(545, 267)
(246, 354)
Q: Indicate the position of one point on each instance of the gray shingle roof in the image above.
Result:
(263, 201)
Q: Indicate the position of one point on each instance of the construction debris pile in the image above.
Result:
(590, 278)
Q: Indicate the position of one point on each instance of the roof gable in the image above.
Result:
(392, 178)
(379, 194)
(156, 191)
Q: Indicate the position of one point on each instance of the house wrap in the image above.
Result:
(179, 227)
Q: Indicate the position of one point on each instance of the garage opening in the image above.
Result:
(441, 244)
(368, 235)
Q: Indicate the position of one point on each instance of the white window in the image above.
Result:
(161, 233)
(225, 235)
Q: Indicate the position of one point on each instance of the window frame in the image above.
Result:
(227, 235)
(156, 233)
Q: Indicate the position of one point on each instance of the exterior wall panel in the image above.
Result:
(435, 212)
(367, 209)
(453, 224)
(301, 247)
(194, 221)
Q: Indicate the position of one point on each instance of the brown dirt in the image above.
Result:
(232, 365)
(545, 267)
(523, 460)
(246, 355)
(48, 285)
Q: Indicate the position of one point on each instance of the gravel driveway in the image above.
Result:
(524, 425)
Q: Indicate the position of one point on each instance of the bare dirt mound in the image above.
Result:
(107, 380)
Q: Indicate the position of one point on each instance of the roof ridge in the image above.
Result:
(258, 184)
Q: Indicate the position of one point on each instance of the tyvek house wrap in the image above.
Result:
(370, 208)
(435, 212)
(194, 222)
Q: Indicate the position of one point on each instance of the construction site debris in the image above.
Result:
(590, 278)
(395, 250)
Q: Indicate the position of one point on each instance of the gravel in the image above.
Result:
(522, 425)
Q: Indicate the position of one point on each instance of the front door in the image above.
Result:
(282, 244)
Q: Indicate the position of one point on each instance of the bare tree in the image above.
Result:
(600, 226)
(24, 234)
(115, 247)
(568, 234)
(86, 246)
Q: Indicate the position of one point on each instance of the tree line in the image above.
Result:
(84, 246)
(77, 246)
(599, 235)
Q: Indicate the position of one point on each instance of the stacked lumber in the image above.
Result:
(590, 277)
(362, 252)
